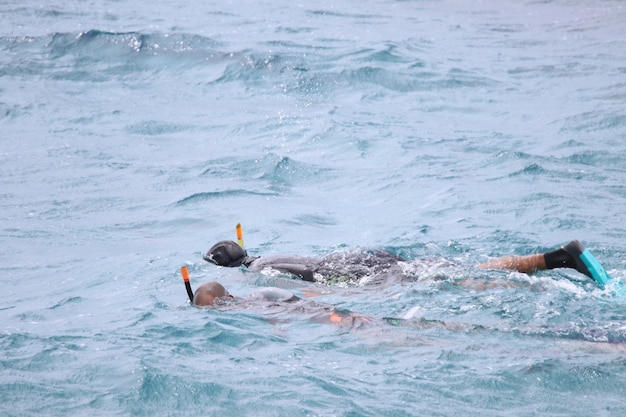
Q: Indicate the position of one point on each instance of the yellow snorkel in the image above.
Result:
(239, 235)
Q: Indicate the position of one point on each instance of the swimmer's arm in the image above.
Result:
(298, 270)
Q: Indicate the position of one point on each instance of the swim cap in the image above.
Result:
(208, 292)
(226, 253)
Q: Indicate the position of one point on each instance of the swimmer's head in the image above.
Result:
(226, 253)
(207, 293)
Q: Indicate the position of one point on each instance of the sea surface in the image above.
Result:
(134, 135)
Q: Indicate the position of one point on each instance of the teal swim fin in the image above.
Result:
(597, 271)
(587, 264)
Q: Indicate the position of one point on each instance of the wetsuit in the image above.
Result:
(351, 267)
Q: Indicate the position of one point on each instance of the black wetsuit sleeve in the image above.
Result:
(298, 270)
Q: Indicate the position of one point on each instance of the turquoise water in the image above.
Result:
(134, 136)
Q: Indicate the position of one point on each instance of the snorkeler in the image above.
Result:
(230, 254)
(279, 305)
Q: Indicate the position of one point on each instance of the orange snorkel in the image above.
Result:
(185, 273)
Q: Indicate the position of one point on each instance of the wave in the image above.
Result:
(99, 56)
(278, 172)
(211, 195)
(595, 121)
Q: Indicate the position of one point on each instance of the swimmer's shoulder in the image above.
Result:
(274, 294)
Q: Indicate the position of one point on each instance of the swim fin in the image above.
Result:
(587, 264)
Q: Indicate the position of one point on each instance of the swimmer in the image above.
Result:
(230, 254)
(277, 305)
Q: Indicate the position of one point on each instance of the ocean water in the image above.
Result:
(133, 136)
